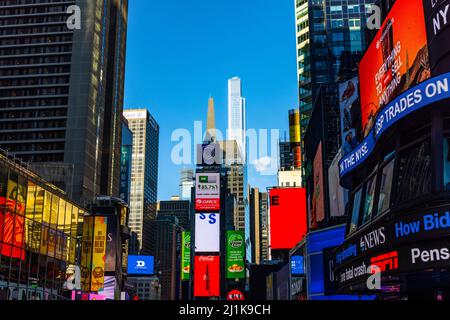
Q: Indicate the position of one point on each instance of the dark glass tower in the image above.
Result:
(61, 92)
(330, 43)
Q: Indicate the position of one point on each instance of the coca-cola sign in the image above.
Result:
(207, 276)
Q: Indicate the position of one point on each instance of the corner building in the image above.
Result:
(399, 177)
(40, 235)
(61, 91)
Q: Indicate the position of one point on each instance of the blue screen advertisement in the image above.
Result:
(297, 265)
(141, 265)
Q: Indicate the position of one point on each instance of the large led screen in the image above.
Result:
(396, 60)
(287, 217)
(207, 276)
(207, 232)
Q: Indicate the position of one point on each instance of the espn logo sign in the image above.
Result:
(385, 262)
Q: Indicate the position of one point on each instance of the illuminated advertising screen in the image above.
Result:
(111, 245)
(86, 253)
(396, 60)
(109, 289)
(209, 155)
(288, 220)
(235, 255)
(297, 265)
(318, 200)
(207, 232)
(207, 192)
(98, 254)
(141, 265)
(207, 276)
(337, 194)
(186, 256)
(12, 221)
(349, 108)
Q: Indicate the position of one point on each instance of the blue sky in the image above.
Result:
(180, 52)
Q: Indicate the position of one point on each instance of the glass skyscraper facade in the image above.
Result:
(61, 91)
(330, 43)
(40, 235)
(144, 171)
(237, 115)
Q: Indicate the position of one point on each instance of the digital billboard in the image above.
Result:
(209, 155)
(98, 254)
(297, 265)
(396, 60)
(350, 111)
(288, 220)
(235, 255)
(207, 276)
(141, 265)
(12, 221)
(337, 195)
(186, 256)
(318, 196)
(207, 232)
(111, 245)
(207, 192)
(86, 253)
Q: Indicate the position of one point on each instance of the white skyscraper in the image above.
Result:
(236, 115)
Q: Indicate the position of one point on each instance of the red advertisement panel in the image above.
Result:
(288, 220)
(396, 60)
(207, 276)
(207, 205)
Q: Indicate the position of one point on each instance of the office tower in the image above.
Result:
(167, 250)
(236, 177)
(286, 157)
(253, 240)
(294, 138)
(186, 184)
(257, 236)
(125, 162)
(177, 208)
(144, 174)
(61, 92)
(237, 115)
(264, 222)
(330, 41)
(210, 123)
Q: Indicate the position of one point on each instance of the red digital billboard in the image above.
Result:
(397, 59)
(207, 276)
(288, 217)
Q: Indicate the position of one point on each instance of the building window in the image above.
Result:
(355, 210)
(386, 187)
(414, 160)
(369, 199)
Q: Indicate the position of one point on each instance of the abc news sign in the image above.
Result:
(407, 228)
(411, 242)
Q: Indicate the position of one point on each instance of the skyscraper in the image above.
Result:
(61, 93)
(330, 43)
(186, 184)
(257, 234)
(144, 173)
(211, 122)
(237, 115)
(236, 177)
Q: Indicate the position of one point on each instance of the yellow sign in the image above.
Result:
(99, 254)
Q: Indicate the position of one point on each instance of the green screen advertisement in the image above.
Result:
(185, 256)
(235, 255)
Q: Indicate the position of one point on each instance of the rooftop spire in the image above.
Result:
(211, 122)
